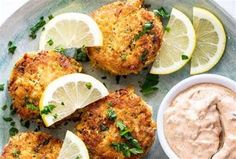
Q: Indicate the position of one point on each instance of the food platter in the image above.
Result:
(17, 27)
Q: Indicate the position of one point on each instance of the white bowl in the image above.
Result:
(181, 86)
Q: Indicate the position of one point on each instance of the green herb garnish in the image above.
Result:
(31, 107)
(110, 104)
(16, 153)
(7, 119)
(143, 57)
(88, 85)
(50, 42)
(4, 107)
(167, 29)
(123, 57)
(103, 127)
(161, 12)
(36, 27)
(78, 157)
(13, 131)
(81, 54)
(60, 50)
(149, 85)
(50, 17)
(146, 29)
(11, 47)
(13, 123)
(111, 114)
(184, 57)
(1, 87)
(131, 146)
(48, 109)
(25, 124)
(55, 116)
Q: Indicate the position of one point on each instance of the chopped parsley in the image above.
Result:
(184, 57)
(149, 85)
(167, 29)
(13, 123)
(146, 29)
(60, 50)
(110, 104)
(48, 109)
(111, 114)
(34, 29)
(131, 147)
(103, 127)
(13, 131)
(88, 85)
(81, 54)
(104, 77)
(78, 157)
(55, 116)
(4, 107)
(7, 119)
(161, 12)
(16, 153)
(50, 42)
(11, 47)
(31, 107)
(50, 17)
(143, 57)
(62, 103)
(24, 123)
(1, 87)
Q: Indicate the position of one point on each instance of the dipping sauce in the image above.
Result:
(201, 123)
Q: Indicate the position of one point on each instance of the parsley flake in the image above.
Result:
(167, 29)
(13, 131)
(31, 107)
(1, 87)
(34, 29)
(81, 54)
(50, 42)
(11, 47)
(161, 12)
(4, 107)
(7, 119)
(111, 114)
(184, 57)
(89, 85)
(149, 85)
(48, 109)
(146, 29)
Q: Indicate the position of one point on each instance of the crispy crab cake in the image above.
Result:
(99, 131)
(32, 74)
(28, 145)
(126, 49)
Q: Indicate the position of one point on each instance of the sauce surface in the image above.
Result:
(201, 123)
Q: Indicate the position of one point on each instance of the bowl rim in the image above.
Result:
(175, 90)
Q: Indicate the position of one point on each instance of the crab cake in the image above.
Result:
(32, 74)
(30, 145)
(131, 37)
(114, 125)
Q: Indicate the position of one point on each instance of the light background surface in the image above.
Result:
(8, 7)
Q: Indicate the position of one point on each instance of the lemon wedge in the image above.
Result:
(70, 30)
(211, 40)
(177, 46)
(65, 95)
(73, 148)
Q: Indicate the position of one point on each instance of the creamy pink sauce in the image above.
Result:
(201, 123)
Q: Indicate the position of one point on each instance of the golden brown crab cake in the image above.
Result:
(127, 48)
(32, 74)
(28, 145)
(99, 130)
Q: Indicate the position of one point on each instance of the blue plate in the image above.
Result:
(16, 28)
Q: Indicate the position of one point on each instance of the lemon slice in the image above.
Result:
(65, 95)
(70, 30)
(177, 46)
(211, 40)
(73, 148)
